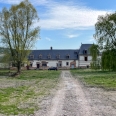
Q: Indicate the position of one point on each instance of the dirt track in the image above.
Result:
(73, 99)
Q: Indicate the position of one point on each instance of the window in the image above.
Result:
(44, 64)
(31, 56)
(87, 66)
(85, 51)
(49, 56)
(59, 63)
(40, 56)
(58, 56)
(76, 52)
(86, 58)
(67, 56)
(67, 63)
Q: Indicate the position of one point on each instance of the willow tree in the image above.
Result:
(105, 29)
(105, 34)
(108, 60)
(18, 31)
(94, 51)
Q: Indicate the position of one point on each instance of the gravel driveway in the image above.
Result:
(73, 99)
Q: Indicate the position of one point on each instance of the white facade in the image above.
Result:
(54, 63)
(82, 58)
(84, 62)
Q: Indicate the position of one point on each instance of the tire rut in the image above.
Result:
(70, 99)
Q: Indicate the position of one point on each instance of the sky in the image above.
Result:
(66, 24)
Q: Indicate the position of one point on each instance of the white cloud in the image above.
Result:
(64, 15)
(70, 16)
(10, 1)
(72, 36)
(48, 39)
(35, 2)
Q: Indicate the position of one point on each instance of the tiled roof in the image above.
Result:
(85, 47)
(54, 54)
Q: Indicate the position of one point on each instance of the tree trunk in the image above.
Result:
(18, 66)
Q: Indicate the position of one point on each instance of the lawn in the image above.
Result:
(23, 94)
(102, 79)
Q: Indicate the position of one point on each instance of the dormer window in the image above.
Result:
(31, 56)
(85, 51)
(40, 56)
(58, 56)
(67, 56)
(49, 56)
(76, 52)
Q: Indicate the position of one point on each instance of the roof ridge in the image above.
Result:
(54, 49)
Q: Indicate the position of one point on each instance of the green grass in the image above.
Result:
(34, 74)
(102, 79)
(14, 110)
(22, 94)
(5, 72)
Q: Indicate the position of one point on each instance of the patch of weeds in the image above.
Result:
(14, 110)
(5, 93)
(32, 86)
(86, 72)
(9, 109)
(28, 94)
(103, 79)
(106, 82)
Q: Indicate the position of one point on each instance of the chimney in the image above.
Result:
(51, 48)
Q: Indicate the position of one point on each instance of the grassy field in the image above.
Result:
(23, 94)
(102, 79)
(4, 72)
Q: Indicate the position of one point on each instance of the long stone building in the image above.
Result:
(64, 59)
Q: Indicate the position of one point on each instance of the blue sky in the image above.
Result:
(65, 24)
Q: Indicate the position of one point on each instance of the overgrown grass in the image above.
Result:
(22, 95)
(6, 72)
(103, 79)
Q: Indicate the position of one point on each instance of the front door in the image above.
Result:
(72, 66)
(37, 65)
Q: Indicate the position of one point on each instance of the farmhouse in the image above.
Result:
(64, 59)
(60, 58)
